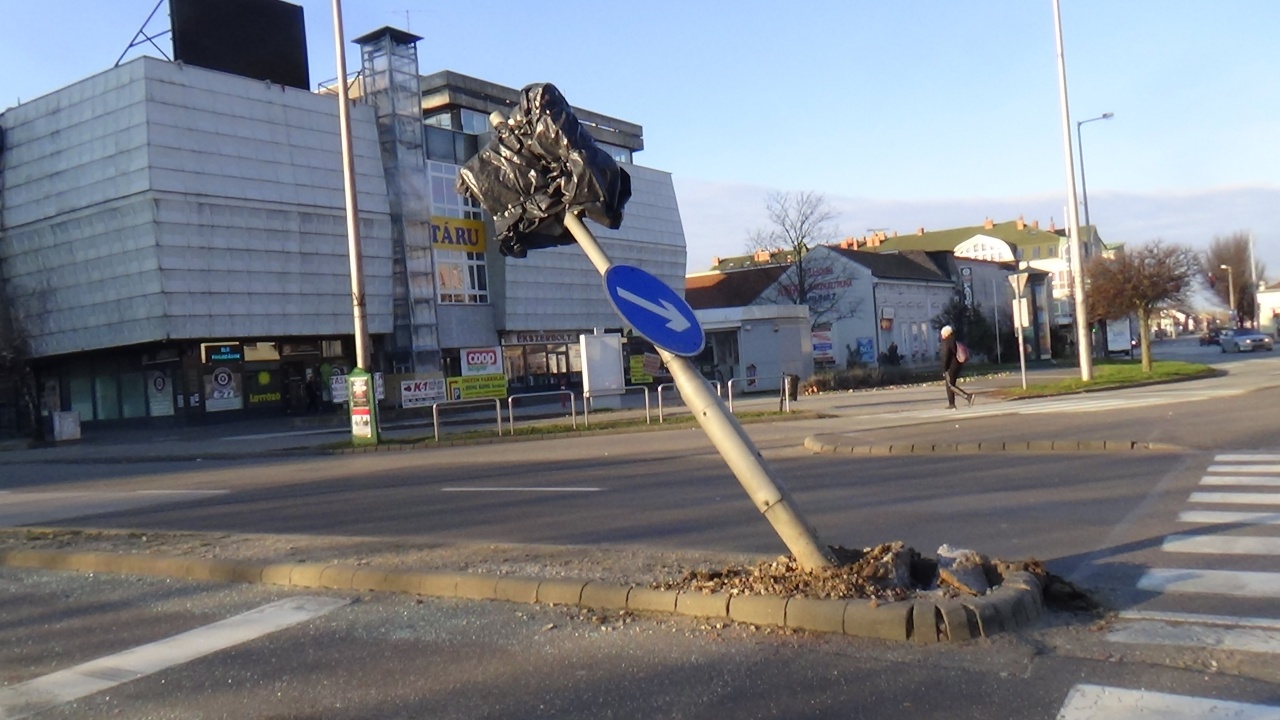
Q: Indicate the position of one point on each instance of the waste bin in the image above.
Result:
(793, 387)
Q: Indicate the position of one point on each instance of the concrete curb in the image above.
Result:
(1018, 602)
(844, 445)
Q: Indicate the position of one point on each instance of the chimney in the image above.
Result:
(895, 233)
(1052, 227)
(988, 223)
(715, 261)
(762, 256)
(1021, 225)
(874, 240)
(1035, 224)
(920, 230)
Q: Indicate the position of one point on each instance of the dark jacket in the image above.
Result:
(949, 360)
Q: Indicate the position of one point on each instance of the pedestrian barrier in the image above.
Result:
(435, 411)
(786, 388)
(665, 386)
(511, 412)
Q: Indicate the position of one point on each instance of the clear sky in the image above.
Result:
(905, 114)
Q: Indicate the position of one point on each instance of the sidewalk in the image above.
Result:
(317, 433)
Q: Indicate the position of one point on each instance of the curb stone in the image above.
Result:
(1018, 602)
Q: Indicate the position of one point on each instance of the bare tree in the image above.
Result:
(1138, 280)
(1233, 251)
(798, 223)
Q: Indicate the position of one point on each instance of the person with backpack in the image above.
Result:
(954, 356)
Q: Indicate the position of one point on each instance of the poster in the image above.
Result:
(477, 387)
(159, 394)
(420, 393)
(222, 390)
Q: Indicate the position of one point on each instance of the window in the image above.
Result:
(1035, 253)
(474, 122)
(618, 153)
(462, 277)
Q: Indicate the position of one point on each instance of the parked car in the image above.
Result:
(1246, 339)
(1211, 337)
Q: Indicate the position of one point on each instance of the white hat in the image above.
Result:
(946, 331)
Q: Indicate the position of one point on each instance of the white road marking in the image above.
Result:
(1199, 619)
(1222, 544)
(42, 693)
(1235, 498)
(1256, 480)
(521, 489)
(27, 508)
(1247, 457)
(1242, 583)
(1218, 517)
(1098, 702)
(1238, 639)
(1267, 468)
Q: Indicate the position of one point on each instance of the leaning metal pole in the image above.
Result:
(728, 437)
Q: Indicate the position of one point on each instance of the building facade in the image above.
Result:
(173, 243)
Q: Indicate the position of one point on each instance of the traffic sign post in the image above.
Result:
(1019, 282)
(665, 319)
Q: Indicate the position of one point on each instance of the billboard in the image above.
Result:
(259, 39)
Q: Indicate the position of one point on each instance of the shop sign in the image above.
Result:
(542, 338)
(226, 353)
(457, 234)
(481, 361)
(420, 393)
(477, 387)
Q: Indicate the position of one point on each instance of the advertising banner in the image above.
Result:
(477, 386)
(421, 393)
(639, 376)
(823, 348)
(222, 390)
(159, 393)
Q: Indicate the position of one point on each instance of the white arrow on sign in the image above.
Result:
(675, 321)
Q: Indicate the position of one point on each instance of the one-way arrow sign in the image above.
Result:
(654, 310)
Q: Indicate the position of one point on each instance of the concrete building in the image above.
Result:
(173, 244)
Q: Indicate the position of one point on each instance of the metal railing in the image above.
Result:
(586, 405)
(786, 388)
(714, 383)
(435, 411)
(511, 411)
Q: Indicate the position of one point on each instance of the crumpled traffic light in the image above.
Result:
(540, 164)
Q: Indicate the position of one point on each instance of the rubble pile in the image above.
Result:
(885, 573)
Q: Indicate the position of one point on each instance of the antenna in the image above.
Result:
(142, 32)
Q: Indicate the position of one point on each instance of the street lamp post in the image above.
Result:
(1084, 188)
(1083, 341)
(1231, 290)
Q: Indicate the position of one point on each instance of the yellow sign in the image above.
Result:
(638, 374)
(457, 234)
(471, 387)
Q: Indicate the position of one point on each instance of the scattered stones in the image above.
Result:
(963, 570)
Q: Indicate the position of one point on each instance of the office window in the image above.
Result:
(462, 277)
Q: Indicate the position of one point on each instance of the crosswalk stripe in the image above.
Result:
(1253, 480)
(1247, 457)
(1099, 702)
(1229, 517)
(42, 693)
(1192, 635)
(1240, 583)
(1235, 498)
(1268, 468)
(1201, 619)
(1222, 544)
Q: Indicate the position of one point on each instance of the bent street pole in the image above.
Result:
(358, 308)
(728, 437)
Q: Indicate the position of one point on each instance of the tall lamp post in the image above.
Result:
(1084, 188)
(1231, 290)
(1083, 342)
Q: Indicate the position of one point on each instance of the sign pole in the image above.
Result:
(1019, 283)
(728, 437)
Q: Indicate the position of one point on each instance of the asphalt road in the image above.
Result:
(1098, 517)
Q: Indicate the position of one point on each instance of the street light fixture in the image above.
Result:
(1231, 290)
(1084, 190)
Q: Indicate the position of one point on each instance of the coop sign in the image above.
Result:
(457, 234)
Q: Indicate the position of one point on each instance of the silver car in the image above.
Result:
(1245, 339)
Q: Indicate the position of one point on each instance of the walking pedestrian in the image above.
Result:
(954, 356)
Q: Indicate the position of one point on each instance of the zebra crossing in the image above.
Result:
(1205, 563)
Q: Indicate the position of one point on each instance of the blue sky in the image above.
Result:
(904, 114)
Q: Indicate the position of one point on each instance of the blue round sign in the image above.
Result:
(657, 312)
